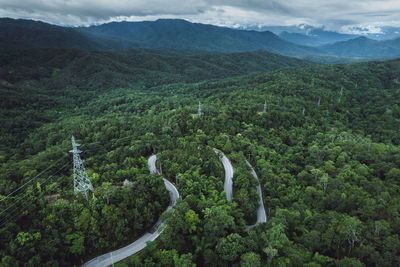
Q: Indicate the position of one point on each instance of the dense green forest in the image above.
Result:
(55, 81)
(326, 151)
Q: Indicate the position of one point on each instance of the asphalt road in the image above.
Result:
(261, 216)
(152, 164)
(228, 173)
(122, 253)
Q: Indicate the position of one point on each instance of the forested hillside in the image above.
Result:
(51, 81)
(364, 47)
(326, 151)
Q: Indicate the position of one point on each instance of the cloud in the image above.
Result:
(83, 12)
(336, 15)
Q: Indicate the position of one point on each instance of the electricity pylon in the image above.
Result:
(265, 107)
(341, 93)
(81, 179)
(199, 110)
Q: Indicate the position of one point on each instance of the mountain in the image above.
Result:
(315, 37)
(28, 33)
(323, 36)
(23, 34)
(181, 34)
(299, 38)
(364, 47)
(307, 35)
(378, 32)
(190, 38)
(166, 33)
(301, 28)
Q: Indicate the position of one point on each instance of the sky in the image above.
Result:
(338, 15)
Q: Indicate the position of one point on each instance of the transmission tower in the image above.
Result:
(199, 110)
(265, 107)
(81, 179)
(341, 93)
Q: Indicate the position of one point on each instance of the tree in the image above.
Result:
(250, 259)
(76, 242)
(192, 220)
(176, 228)
(350, 228)
(217, 223)
(231, 247)
(184, 260)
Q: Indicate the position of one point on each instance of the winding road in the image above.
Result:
(261, 215)
(122, 253)
(228, 173)
(173, 192)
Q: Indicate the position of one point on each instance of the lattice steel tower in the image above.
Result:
(199, 110)
(81, 179)
(341, 93)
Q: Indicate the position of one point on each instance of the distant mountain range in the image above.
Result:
(175, 34)
(327, 36)
(181, 34)
(315, 37)
(364, 47)
(190, 37)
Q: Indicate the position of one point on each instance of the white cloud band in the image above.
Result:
(339, 14)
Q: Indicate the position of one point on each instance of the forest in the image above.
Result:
(326, 151)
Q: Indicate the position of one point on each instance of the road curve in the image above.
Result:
(228, 173)
(173, 192)
(122, 253)
(261, 215)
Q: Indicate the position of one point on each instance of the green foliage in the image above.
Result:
(329, 178)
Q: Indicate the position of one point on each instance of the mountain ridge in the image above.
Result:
(187, 37)
(181, 34)
(364, 47)
(164, 33)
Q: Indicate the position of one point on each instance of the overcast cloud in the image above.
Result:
(340, 15)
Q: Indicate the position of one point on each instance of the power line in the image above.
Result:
(24, 204)
(12, 216)
(99, 146)
(16, 205)
(102, 146)
(22, 186)
(4, 219)
(27, 193)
